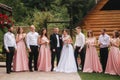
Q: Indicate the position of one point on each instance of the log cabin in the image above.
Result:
(105, 15)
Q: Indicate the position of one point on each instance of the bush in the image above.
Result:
(2, 58)
(40, 17)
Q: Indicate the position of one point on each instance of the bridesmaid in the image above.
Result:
(92, 62)
(113, 57)
(44, 58)
(20, 62)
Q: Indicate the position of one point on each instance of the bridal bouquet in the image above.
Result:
(67, 45)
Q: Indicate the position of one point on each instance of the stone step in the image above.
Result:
(2, 64)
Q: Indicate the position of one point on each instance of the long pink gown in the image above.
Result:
(44, 58)
(113, 63)
(92, 62)
(20, 62)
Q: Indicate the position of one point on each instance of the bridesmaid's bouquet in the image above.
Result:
(47, 41)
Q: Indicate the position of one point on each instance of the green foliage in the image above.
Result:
(42, 5)
(2, 58)
(24, 10)
(59, 14)
(97, 76)
(27, 12)
(77, 9)
(19, 10)
(1, 36)
(40, 17)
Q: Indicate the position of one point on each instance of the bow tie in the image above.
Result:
(56, 34)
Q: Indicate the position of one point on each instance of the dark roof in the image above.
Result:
(112, 5)
(5, 7)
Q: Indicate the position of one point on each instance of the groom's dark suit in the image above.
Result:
(55, 44)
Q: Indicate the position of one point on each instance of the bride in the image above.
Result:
(67, 61)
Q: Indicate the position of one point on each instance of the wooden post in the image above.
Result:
(71, 19)
(45, 24)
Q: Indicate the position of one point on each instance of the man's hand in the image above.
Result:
(100, 44)
(80, 50)
(8, 51)
(53, 50)
(29, 50)
(74, 47)
(15, 50)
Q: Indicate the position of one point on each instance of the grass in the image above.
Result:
(97, 76)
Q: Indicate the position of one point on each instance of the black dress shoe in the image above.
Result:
(36, 69)
(31, 70)
(8, 72)
(51, 69)
(11, 71)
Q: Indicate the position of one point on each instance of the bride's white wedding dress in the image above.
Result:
(67, 62)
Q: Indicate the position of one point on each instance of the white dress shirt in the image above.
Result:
(80, 40)
(9, 40)
(104, 40)
(31, 39)
(58, 42)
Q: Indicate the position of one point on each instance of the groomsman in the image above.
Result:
(104, 42)
(56, 46)
(10, 46)
(79, 46)
(32, 45)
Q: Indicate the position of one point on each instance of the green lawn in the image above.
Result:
(97, 76)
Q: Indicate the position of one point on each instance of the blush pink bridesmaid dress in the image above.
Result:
(92, 62)
(113, 63)
(44, 58)
(20, 62)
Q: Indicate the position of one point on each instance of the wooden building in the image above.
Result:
(105, 15)
(4, 8)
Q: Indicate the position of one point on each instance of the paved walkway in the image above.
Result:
(37, 76)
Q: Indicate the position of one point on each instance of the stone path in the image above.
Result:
(37, 76)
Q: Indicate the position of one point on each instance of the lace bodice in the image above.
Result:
(66, 39)
(90, 41)
(44, 39)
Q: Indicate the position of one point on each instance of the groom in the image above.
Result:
(56, 46)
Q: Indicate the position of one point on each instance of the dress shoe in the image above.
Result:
(36, 69)
(31, 70)
(8, 72)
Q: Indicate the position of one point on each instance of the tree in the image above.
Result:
(40, 17)
(42, 5)
(77, 9)
(74, 10)
(19, 10)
